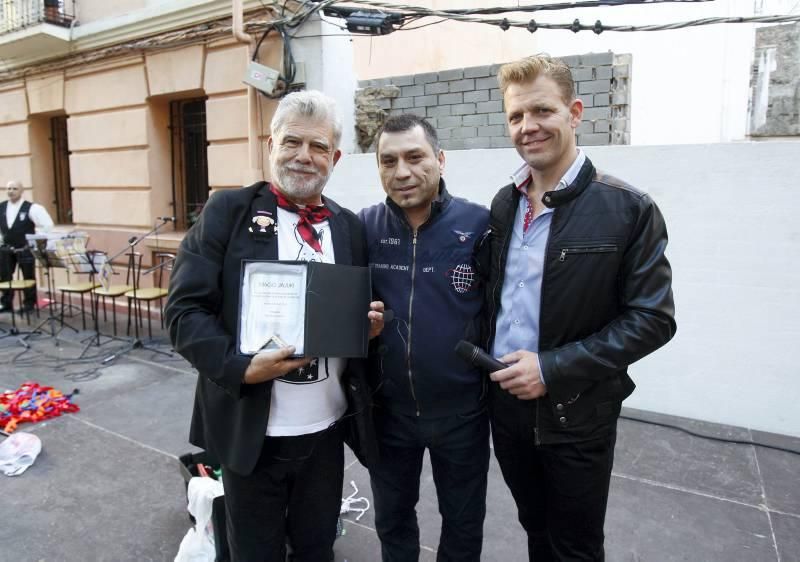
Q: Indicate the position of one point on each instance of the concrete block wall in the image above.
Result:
(466, 107)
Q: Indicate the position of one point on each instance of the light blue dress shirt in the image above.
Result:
(520, 299)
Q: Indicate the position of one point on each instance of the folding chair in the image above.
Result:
(136, 297)
(115, 291)
(77, 289)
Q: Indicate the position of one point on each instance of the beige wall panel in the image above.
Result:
(13, 106)
(14, 140)
(121, 208)
(97, 9)
(175, 71)
(106, 90)
(225, 69)
(124, 168)
(227, 164)
(46, 93)
(18, 168)
(112, 129)
(226, 118)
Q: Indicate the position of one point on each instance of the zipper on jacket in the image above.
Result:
(410, 311)
(501, 268)
(601, 249)
(553, 221)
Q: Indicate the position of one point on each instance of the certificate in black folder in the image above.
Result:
(319, 308)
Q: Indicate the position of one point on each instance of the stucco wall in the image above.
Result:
(731, 212)
(118, 130)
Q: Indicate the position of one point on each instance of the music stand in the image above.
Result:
(94, 261)
(136, 342)
(48, 259)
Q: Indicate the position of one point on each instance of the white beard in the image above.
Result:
(297, 187)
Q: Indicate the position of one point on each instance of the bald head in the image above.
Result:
(14, 189)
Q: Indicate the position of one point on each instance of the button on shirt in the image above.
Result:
(518, 321)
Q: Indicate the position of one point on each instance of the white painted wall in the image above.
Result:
(321, 47)
(732, 214)
(688, 86)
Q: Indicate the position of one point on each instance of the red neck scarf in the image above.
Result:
(308, 215)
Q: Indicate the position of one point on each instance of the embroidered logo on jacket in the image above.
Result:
(462, 278)
(462, 236)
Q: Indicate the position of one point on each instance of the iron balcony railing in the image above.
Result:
(19, 14)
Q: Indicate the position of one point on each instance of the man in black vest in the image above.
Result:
(18, 218)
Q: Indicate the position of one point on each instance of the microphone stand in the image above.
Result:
(136, 342)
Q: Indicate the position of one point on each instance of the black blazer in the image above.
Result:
(230, 418)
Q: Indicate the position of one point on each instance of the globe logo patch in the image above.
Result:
(461, 278)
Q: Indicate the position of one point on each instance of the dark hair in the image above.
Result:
(406, 122)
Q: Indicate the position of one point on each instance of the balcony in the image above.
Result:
(34, 29)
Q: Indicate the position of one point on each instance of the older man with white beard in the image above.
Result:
(276, 424)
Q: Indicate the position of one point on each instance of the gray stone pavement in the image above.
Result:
(107, 485)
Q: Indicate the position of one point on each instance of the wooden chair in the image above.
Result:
(115, 291)
(163, 265)
(17, 286)
(77, 289)
(81, 289)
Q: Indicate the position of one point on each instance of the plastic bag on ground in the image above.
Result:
(198, 544)
(18, 452)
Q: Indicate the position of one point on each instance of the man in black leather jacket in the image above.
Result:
(578, 289)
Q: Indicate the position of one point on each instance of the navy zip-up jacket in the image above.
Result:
(428, 280)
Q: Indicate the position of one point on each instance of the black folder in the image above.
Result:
(337, 301)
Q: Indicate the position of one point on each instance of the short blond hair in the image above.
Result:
(530, 68)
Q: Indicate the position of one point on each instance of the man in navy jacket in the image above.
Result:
(420, 251)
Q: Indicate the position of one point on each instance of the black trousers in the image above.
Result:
(459, 451)
(293, 495)
(561, 490)
(9, 261)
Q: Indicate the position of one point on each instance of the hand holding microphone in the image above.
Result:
(522, 378)
(476, 356)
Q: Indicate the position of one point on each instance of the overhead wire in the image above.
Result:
(466, 15)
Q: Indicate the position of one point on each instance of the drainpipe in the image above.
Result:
(254, 172)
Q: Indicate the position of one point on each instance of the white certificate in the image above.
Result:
(273, 307)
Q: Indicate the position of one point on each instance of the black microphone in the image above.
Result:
(476, 356)
(388, 315)
(166, 219)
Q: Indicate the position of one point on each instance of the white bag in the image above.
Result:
(18, 452)
(198, 544)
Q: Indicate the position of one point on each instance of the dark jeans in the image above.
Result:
(561, 490)
(8, 263)
(294, 494)
(459, 452)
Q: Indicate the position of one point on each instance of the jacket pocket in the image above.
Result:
(586, 249)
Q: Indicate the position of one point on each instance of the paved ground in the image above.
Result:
(107, 485)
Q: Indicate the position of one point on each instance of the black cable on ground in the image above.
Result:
(710, 437)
